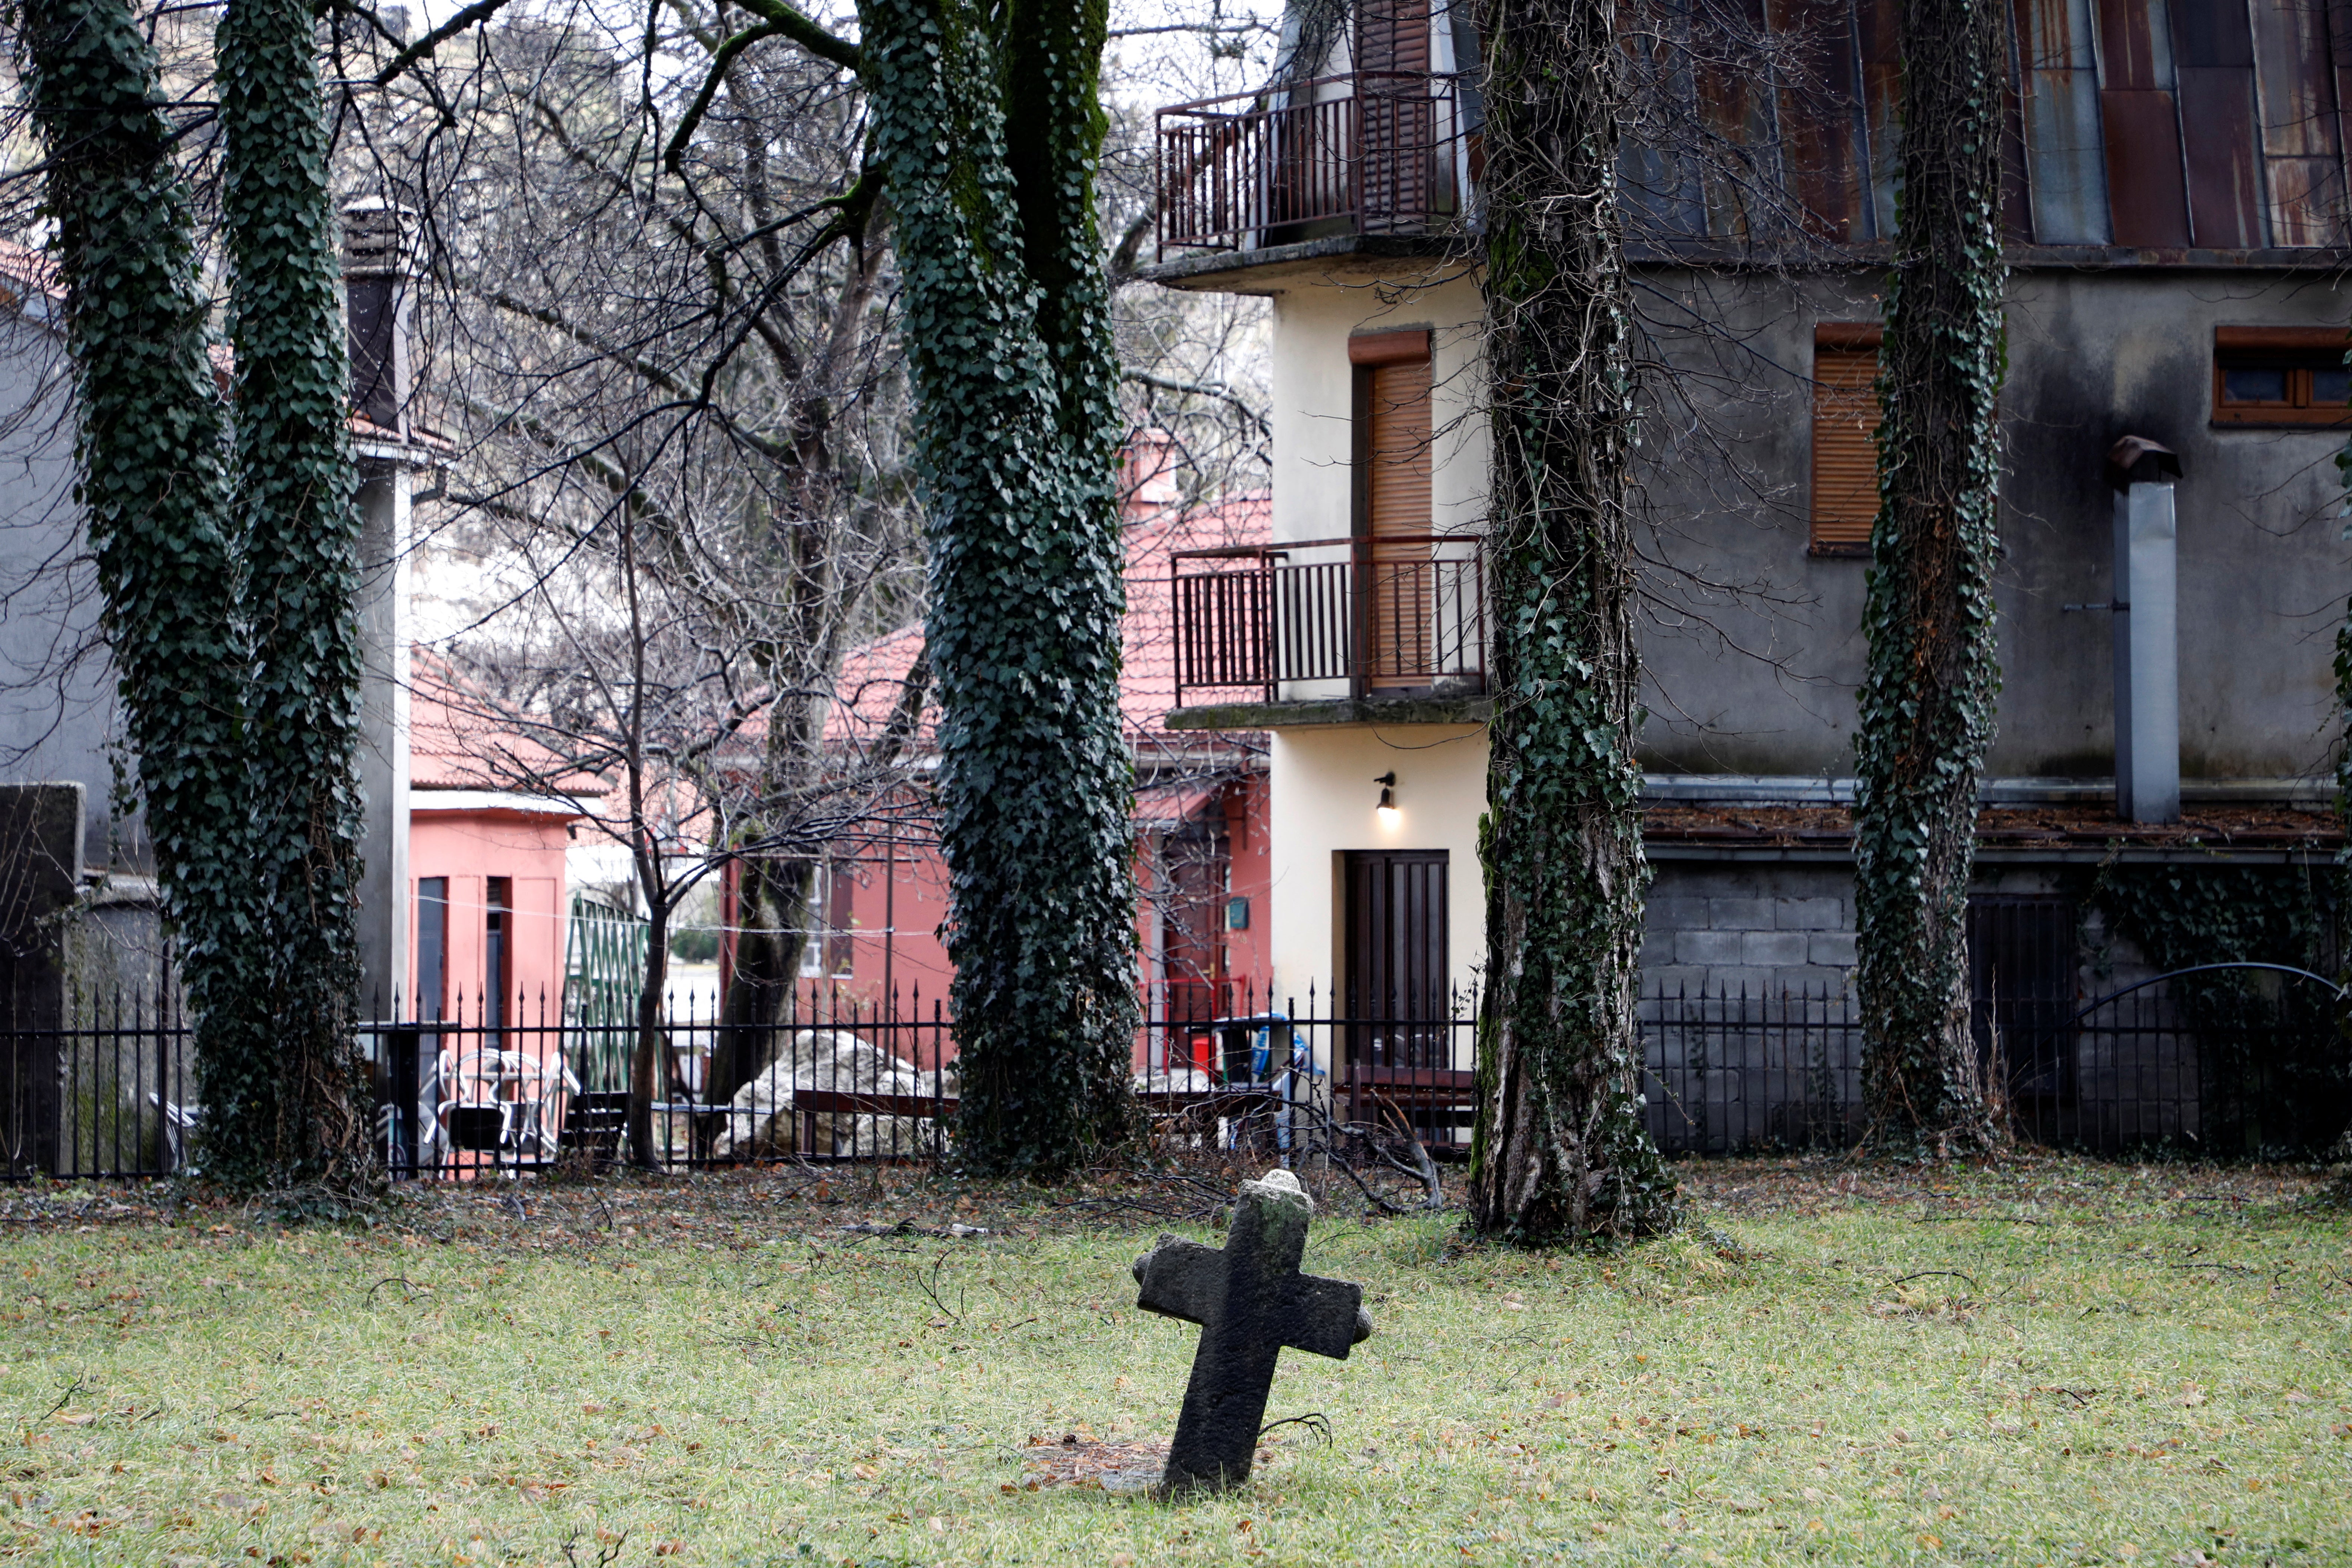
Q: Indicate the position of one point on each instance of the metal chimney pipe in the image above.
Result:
(2146, 634)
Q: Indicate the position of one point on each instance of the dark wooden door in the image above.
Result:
(1395, 956)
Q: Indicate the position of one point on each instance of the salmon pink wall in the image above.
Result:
(909, 892)
(469, 848)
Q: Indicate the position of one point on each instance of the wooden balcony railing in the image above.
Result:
(1403, 614)
(1383, 151)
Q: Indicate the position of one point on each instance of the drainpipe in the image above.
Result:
(2147, 655)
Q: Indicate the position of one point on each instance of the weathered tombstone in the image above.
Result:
(1251, 1301)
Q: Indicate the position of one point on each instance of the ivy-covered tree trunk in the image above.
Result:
(1927, 700)
(1561, 1149)
(2340, 1154)
(151, 483)
(989, 140)
(295, 1114)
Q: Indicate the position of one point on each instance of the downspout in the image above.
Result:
(2146, 632)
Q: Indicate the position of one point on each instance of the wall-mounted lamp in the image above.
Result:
(1388, 808)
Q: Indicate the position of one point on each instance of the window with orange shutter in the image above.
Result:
(1845, 436)
(1393, 500)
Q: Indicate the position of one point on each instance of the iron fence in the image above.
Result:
(2241, 1064)
(2222, 1065)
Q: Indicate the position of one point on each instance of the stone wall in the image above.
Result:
(1778, 926)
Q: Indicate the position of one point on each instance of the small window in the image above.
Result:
(1845, 436)
(431, 948)
(497, 932)
(2280, 376)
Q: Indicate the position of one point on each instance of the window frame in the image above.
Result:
(2298, 351)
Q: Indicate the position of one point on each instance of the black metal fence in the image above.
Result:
(2243, 1064)
(2230, 1065)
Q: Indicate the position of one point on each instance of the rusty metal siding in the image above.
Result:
(2146, 192)
(2067, 168)
(2016, 171)
(1661, 187)
(1878, 46)
(1819, 120)
(2295, 96)
(2212, 33)
(2225, 180)
(2134, 46)
(1738, 114)
(2145, 189)
(2160, 124)
(2214, 46)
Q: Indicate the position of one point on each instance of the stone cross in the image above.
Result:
(1250, 1301)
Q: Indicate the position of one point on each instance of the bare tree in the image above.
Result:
(687, 410)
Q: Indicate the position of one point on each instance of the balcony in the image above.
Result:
(1399, 618)
(1374, 153)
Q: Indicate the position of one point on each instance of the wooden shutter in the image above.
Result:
(1396, 122)
(1393, 36)
(1845, 431)
(1394, 448)
(1398, 488)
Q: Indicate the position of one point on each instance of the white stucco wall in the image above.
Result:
(1322, 797)
(1322, 801)
(1314, 400)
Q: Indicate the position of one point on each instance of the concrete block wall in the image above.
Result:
(1769, 927)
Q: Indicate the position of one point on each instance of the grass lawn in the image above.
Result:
(2086, 1363)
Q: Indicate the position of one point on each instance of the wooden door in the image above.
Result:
(1396, 955)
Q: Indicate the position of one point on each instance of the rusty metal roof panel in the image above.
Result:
(2134, 46)
(2306, 200)
(2055, 34)
(2211, 33)
(2294, 94)
(1820, 121)
(2066, 164)
(2154, 124)
(2225, 179)
(2145, 194)
(2292, 77)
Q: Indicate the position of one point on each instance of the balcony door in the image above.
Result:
(1396, 119)
(1397, 579)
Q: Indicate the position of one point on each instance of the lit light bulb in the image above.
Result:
(1387, 809)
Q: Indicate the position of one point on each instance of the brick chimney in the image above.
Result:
(376, 274)
(1146, 479)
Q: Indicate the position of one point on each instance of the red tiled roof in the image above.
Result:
(874, 676)
(458, 740)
